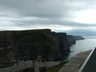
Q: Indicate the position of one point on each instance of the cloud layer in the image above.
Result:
(57, 15)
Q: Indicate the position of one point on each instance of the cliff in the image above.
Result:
(71, 39)
(33, 44)
(78, 38)
(27, 44)
(63, 44)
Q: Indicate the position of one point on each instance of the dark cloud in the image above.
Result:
(41, 8)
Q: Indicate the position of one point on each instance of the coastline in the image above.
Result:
(74, 64)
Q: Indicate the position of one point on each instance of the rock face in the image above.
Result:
(63, 44)
(33, 44)
(71, 39)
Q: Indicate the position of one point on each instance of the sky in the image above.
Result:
(77, 17)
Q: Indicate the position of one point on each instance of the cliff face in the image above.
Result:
(71, 39)
(29, 44)
(33, 44)
(63, 44)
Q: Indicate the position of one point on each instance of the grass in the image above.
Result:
(2, 66)
(6, 64)
(56, 68)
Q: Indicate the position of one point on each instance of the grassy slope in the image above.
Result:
(56, 68)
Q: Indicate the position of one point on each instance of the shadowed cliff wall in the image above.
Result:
(71, 39)
(33, 44)
(63, 44)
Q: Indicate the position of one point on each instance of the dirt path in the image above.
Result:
(25, 64)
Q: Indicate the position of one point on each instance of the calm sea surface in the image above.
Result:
(82, 45)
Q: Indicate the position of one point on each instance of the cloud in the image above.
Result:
(57, 15)
(42, 8)
(81, 32)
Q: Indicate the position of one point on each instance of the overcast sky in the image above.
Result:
(58, 15)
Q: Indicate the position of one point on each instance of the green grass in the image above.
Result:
(56, 68)
(2, 66)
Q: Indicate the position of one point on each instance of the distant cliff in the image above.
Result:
(78, 38)
(33, 44)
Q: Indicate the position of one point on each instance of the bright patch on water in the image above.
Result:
(81, 46)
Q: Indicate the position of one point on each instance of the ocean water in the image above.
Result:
(82, 45)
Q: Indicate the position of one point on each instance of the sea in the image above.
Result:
(82, 45)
